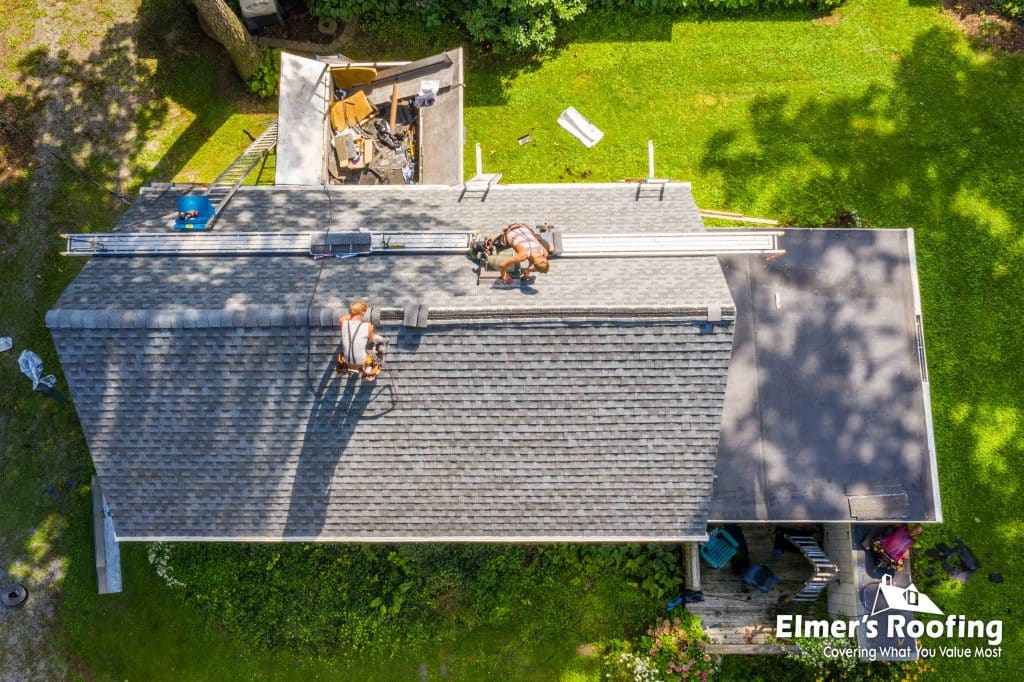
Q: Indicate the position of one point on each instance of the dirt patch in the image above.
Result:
(26, 632)
(979, 20)
(828, 19)
(299, 25)
(15, 150)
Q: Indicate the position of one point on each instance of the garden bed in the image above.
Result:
(299, 25)
(978, 19)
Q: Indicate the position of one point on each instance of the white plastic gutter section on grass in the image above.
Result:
(579, 127)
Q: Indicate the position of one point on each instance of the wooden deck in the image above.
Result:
(741, 619)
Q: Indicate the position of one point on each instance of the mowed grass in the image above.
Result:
(889, 112)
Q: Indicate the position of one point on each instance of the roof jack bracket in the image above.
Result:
(651, 184)
(416, 315)
(480, 183)
(714, 318)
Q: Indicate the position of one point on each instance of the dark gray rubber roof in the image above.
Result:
(826, 398)
(586, 407)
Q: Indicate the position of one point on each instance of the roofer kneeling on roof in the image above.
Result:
(527, 246)
(356, 336)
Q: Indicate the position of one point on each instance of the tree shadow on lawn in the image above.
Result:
(937, 150)
(103, 114)
(105, 109)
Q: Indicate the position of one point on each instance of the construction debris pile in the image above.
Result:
(370, 146)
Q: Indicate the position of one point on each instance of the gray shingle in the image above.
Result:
(287, 283)
(592, 207)
(587, 407)
(199, 432)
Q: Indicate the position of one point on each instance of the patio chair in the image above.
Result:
(761, 577)
(719, 548)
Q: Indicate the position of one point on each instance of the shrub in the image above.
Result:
(812, 657)
(264, 81)
(512, 27)
(1012, 8)
(433, 12)
(656, 569)
(388, 600)
(519, 27)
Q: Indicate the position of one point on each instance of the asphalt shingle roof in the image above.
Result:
(587, 407)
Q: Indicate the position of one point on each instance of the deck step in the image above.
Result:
(749, 649)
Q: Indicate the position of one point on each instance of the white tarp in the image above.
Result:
(302, 119)
(32, 367)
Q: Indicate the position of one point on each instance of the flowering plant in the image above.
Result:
(671, 651)
(159, 556)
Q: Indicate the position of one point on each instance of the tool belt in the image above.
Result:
(374, 359)
(346, 367)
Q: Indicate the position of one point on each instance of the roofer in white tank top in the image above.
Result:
(356, 335)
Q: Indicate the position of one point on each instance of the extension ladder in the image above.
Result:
(227, 183)
(197, 211)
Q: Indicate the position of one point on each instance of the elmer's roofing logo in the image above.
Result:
(902, 599)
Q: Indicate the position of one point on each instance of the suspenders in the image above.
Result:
(353, 334)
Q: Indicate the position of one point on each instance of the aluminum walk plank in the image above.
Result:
(268, 243)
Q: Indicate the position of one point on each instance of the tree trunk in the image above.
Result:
(226, 28)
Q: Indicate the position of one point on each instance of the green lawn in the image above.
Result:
(889, 112)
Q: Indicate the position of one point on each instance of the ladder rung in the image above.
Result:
(224, 186)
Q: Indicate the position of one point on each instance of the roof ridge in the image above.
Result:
(284, 316)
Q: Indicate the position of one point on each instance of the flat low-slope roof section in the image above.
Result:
(827, 414)
(584, 408)
(305, 96)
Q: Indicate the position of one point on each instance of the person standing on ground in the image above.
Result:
(893, 549)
